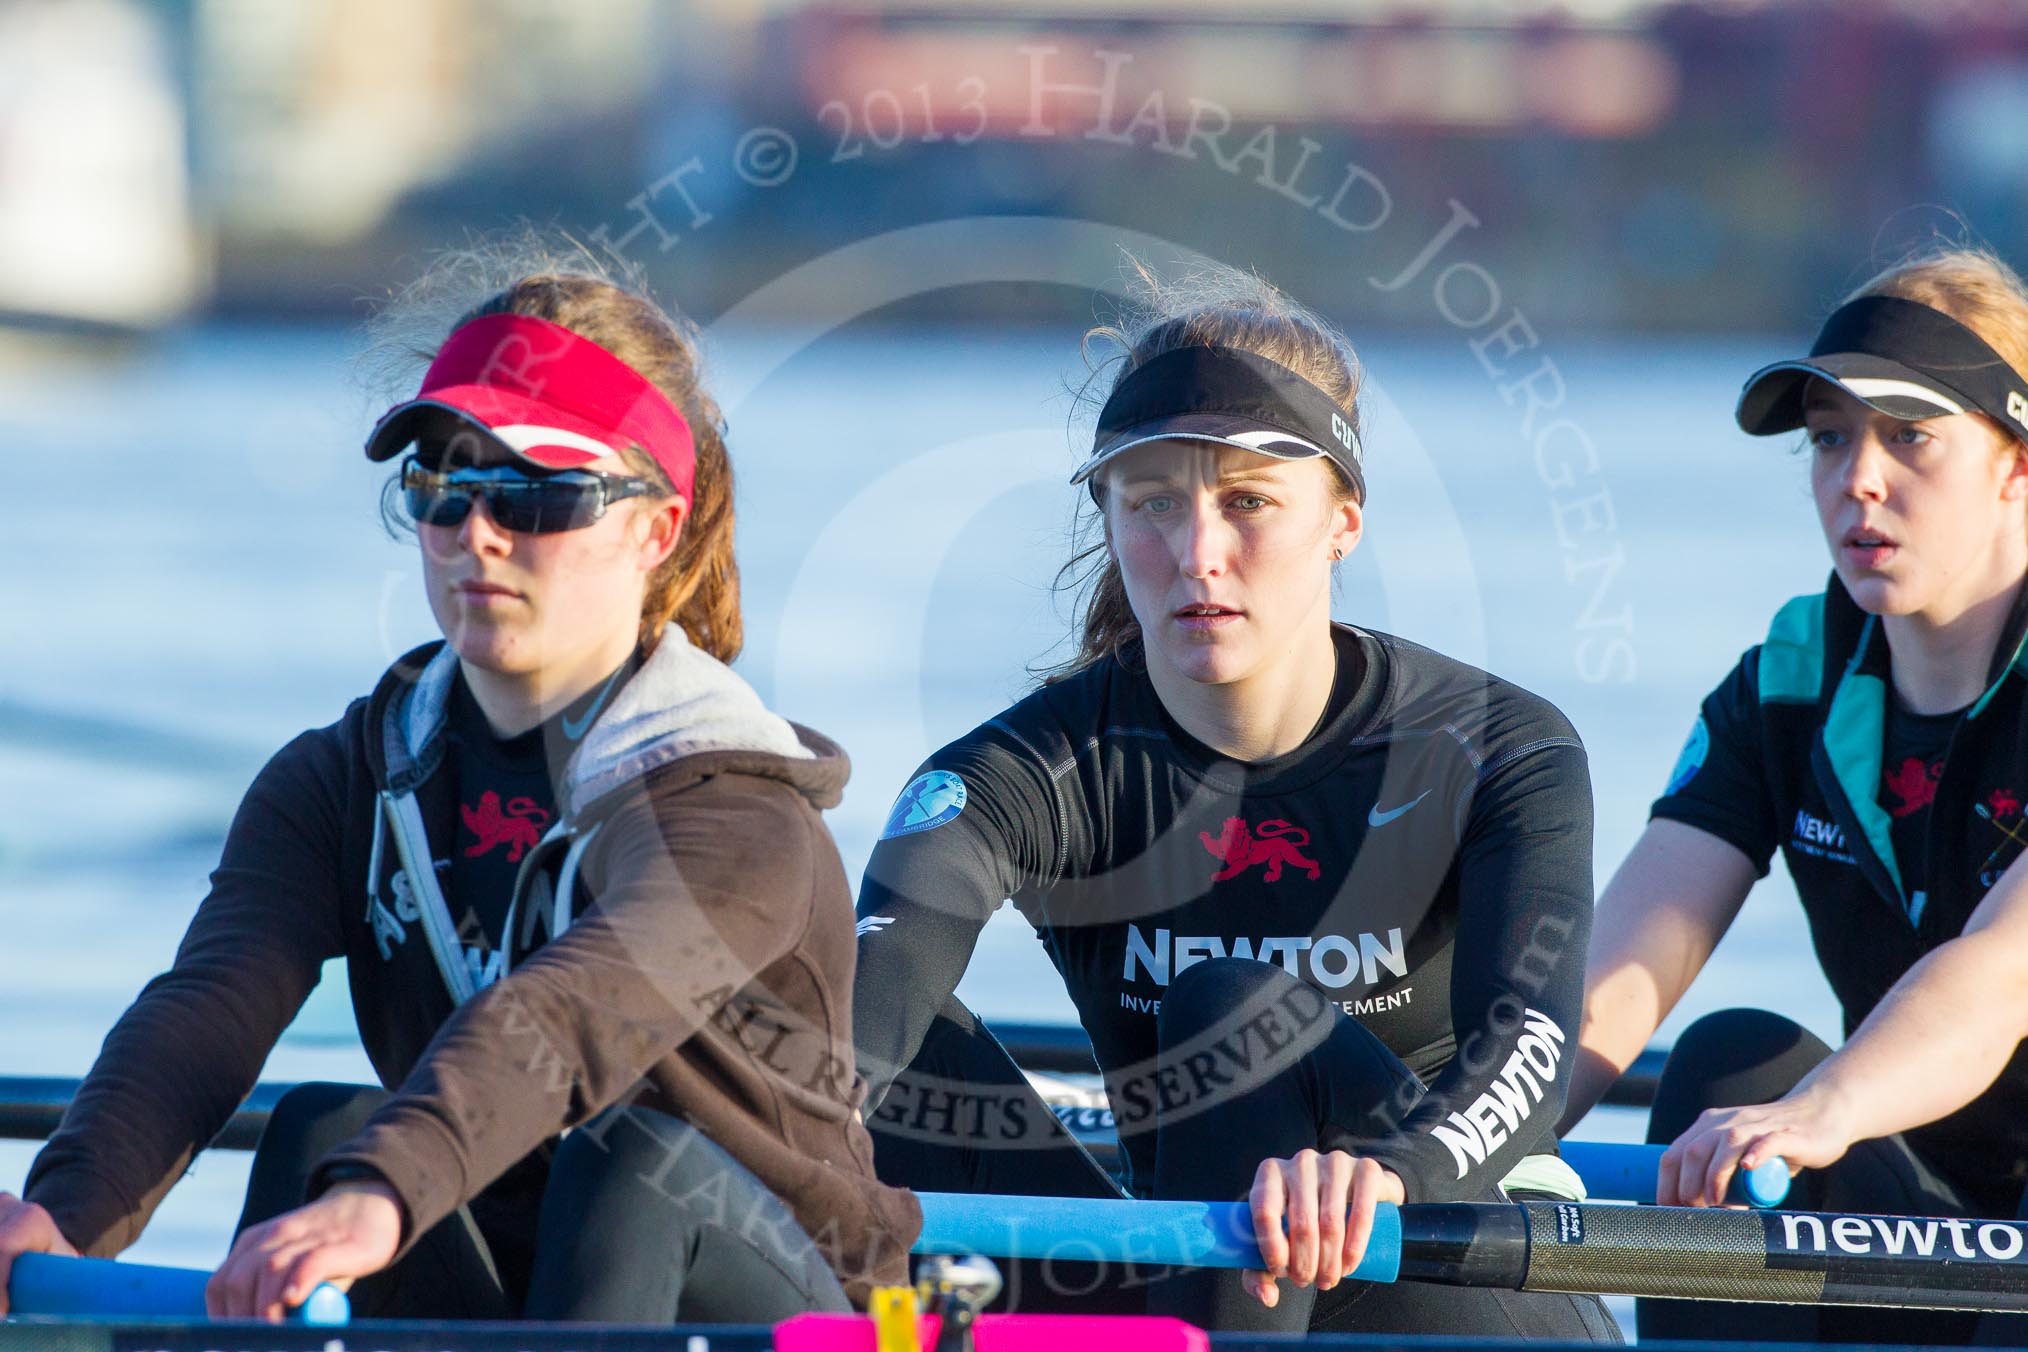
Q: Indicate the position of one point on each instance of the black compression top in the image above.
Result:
(506, 801)
(1423, 860)
(1893, 826)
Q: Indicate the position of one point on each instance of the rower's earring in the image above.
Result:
(1337, 554)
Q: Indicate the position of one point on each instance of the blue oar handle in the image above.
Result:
(1084, 1229)
(44, 1284)
(1626, 1173)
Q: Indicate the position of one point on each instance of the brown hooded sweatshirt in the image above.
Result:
(701, 965)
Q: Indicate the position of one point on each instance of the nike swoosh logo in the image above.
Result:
(573, 731)
(1376, 817)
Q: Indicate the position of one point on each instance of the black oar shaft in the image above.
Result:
(1692, 1253)
(1464, 1244)
(1785, 1257)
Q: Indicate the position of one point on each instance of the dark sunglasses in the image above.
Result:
(517, 500)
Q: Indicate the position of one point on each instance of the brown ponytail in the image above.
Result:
(1218, 307)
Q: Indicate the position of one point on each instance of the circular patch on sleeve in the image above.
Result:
(1695, 749)
(927, 803)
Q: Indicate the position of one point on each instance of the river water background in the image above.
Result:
(193, 570)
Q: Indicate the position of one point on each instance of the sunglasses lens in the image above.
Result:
(540, 506)
(516, 501)
(430, 498)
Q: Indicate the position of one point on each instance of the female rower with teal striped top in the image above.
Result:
(1878, 737)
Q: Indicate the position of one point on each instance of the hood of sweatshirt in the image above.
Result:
(684, 715)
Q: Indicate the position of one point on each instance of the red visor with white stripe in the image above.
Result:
(553, 398)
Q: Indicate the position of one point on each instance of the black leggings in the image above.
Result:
(963, 1118)
(636, 1217)
(1341, 1085)
(1745, 1056)
(1344, 1092)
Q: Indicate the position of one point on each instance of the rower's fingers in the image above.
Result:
(229, 1292)
(1692, 1151)
(1694, 1170)
(1668, 1170)
(248, 1284)
(1335, 1174)
(1366, 1195)
(1260, 1286)
(1757, 1152)
(1718, 1170)
(25, 1228)
(336, 1263)
(276, 1266)
(1302, 1205)
(1267, 1201)
(1781, 1143)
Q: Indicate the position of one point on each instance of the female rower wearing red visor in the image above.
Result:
(598, 937)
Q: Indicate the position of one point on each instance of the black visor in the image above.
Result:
(1898, 356)
(1233, 398)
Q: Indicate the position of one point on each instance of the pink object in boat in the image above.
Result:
(1004, 1333)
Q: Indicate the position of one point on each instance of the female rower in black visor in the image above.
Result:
(1314, 890)
(1879, 739)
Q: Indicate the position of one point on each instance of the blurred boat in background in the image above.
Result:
(96, 217)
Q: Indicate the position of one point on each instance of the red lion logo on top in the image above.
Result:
(1273, 843)
(1914, 784)
(519, 827)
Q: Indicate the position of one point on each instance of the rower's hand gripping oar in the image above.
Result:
(1627, 1173)
(45, 1284)
(1206, 1234)
(1690, 1253)
(1118, 1230)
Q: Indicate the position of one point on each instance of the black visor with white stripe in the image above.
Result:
(1898, 356)
(1232, 398)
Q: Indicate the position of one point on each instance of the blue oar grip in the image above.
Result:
(1626, 1173)
(1101, 1230)
(1766, 1186)
(45, 1284)
(327, 1308)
